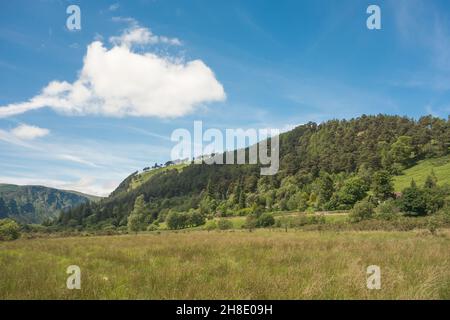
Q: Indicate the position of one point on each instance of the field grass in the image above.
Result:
(440, 166)
(262, 264)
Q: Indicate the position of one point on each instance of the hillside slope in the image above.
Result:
(34, 204)
(439, 166)
(328, 166)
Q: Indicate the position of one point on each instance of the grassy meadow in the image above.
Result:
(237, 264)
(420, 172)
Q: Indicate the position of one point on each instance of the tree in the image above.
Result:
(431, 181)
(270, 199)
(9, 230)
(224, 224)
(176, 220)
(266, 220)
(362, 210)
(413, 200)
(353, 190)
(195, 218)
(242, 200)
(325, 189)
(387, 210)
(402, 150)
(382, 185)
(136, 220)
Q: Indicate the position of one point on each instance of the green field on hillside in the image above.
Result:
(419, 172)
(261, 264)
(143, 177)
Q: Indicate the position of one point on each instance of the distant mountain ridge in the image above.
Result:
(35, 204)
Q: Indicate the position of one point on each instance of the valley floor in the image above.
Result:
(264, 264)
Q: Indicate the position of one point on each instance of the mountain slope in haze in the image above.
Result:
(35, 204)
(327, 166)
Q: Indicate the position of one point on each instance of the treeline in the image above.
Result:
(328, 166)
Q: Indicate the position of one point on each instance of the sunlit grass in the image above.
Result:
(440, 167)
(229, 265)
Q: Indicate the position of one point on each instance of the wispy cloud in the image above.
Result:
(114, 7)
(27, 132)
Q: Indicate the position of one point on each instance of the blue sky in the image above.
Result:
(262, 64)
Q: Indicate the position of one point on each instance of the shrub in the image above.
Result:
(251, 222)
(387, 210)
(195, 218)
(283, 222)
(382, 185)
(414, 200)
(210, 225)
(176, 220)
(224, 224)
(152, 227)
(9, 230)
(435, 198)
(362, 210)
(299, 220)
(266, 220)
(317, 219)
(244, 212)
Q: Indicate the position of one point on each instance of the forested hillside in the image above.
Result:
(326, 166)
(35, 204)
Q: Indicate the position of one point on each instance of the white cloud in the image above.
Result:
(76, 159)
(26, 132)
(141, 36)
(114, 7)
(120, 82)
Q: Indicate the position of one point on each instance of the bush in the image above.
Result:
(224, 224)
(176, 220)
(414, 201)
(251, 222)
(435, 198)
(9, 230)
(387, 210)
(317, 219)
(433, 224)
(152, 227)
(195, 218)
(210, 225)
(244, 212)
(266, 220)
(299, 220)
(362, 210)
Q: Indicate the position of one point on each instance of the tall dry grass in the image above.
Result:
(229, 265)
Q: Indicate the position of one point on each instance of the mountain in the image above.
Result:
(325, 166)
(35, 204)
